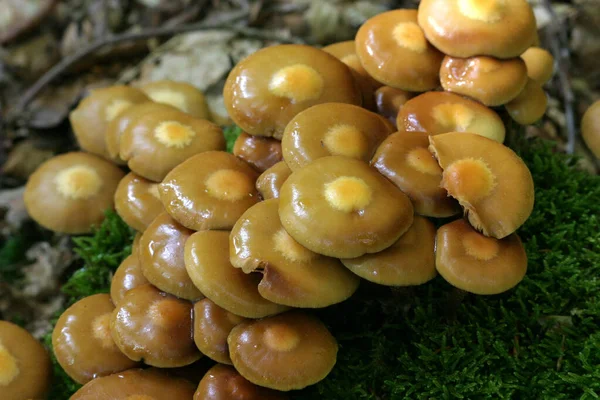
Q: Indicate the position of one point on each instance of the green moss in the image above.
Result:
(231, 133)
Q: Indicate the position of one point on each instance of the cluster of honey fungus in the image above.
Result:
(347, 153)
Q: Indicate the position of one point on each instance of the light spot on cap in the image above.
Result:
(346, 140)
(290, 249)
(297, 82)
(482, 10)
(480, 247)
(410, 36)
(281, 338)
(101, 331)
(114, 108)
(454, 116)
(229, 185)
(169, 97)
(423, 161)
(79, 182)
(468, 180)
(168, 312)
(174, 134)
(348, 193)
(9, 367)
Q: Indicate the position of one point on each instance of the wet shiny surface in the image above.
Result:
(181, 95)
(260, 152)
(137, 201)
(128, 276)
(269, 182)
(390, 100)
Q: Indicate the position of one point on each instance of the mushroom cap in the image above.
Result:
(529, 106)
(405, 160)
(69, 193)
(478, 264)
(441, 112)
(155, 327)
(223, 382)
(467, 28)
(590, 128)
(128, 276)
(260, 152)
(137, 201)
(491, 182)
(82, 340)
(269, 182)
(181, 95)
(161, 256)
(207, 262)
(285, 352)
(393, 50)
(268, 88)
(136, 243)
(209, 191)
(25, 368)
(489, 80)
(154, 143)
(136, 384)
(93, 114)
(341, 207)
(212, 325)
(292, 274)
(390, 100)
(539, 63)
(332, 129)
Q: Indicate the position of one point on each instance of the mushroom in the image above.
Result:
(181, 95)
(212, 325)
(136, 243)
(128, 276)
(392, 48)
(292, 275)
(390, 100)
(590, 128)
(269, 182)
(161, 254)
(467, 28)
(478, 264)
(137, 201)
(207, 262)
(268, 88)
(539, 63)
(405, 160)
(529, 106)
(285, 352)
(489, 80)
(209, 191)
(223, 382)
(70, 193)
(82, 340)
(489, 180)
(441, 112)
(260, 152)
(340, 207)
(332, 129)
(155, 327)
(25, 368)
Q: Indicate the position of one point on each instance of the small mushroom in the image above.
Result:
(491, 183)
(82, 340)
(529, 106)
(269, 182)
(128, 276)
(478, 264)
(155, 327)
(70, 193)
(540, 64)
(285, 352)
(25, 368)
(209, 191)
(181, 95)
(260, 152)
(590, 128)
(137, 201)
(292, 274)
(268, 88)
(340, 207)
(390, 100)
(207, 262)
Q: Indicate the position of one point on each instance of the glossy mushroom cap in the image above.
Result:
(155, 327)
(161, 255)
(137, 201)
(268, 88)
(340, 207)
(25, 368)
(467, 28)
(260, 152)
(441, 112)
(181, 95)
(590, 128)
(392, 48)
(539, 63)
(136, 244)
(269, 182)
(529, 106)
(82, 340)
(405, 160)
(390, 100)
(489, 180)
(128, 276)
(285, 352)
(476, 263)
(207, 262)
(292, 274)
(70, 193)
(209, 191)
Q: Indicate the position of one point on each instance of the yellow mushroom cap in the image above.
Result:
(590, 128)
(269, 182)
(128, 276)
(181, 95)
(530, 105)
(390, 100)
(540, 64)
(260, 152)
(137, 201)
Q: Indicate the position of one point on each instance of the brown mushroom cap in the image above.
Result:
(70, 193)
(392, 48)
(405, 160)
(491, 81)
(476, 263)
(209, 191)
(207, 262)
(155, 327)
(137, 201)
(590, 128)
(529, 106)
(260, 152)
(332, 129)
(467, 28)
(292, 274)
(212, 325)
(25, 368)
(268, 88)
(82, 340)
(441, 112)
(181, 95)
(269, 182)
(285, 352)
(161, 256)
(340, 207)
(128, 276)
(489, 180)
(539, 63)
(136, 244)
(390, 100)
